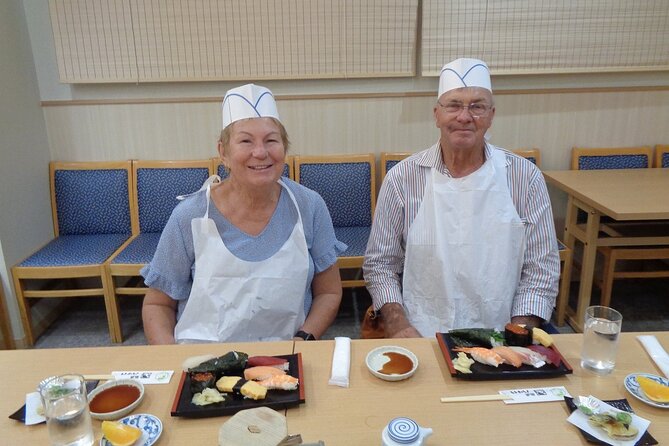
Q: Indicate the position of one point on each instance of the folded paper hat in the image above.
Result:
(464, 73)
(248, 101)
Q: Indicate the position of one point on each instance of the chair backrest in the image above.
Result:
(288, 168)
(533, 155)
(661, 155)
(611, 158)
(91, 198)
(389, 159)
(158, 183)
(346, 182)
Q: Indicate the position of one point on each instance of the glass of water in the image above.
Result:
(600, 339)
(66, 410)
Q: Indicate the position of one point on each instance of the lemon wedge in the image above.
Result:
(119, 434)
(653, 389)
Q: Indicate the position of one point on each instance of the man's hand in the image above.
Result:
(528, 321)
(395, 322)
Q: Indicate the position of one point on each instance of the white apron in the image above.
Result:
(464, 252)
(233, 300)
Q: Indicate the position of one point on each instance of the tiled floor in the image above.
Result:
(643, 303)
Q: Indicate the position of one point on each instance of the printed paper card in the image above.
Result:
(146, 376)
(535, 395)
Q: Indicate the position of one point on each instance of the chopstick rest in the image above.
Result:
(656, 352)
(341, 362)
(458, 399)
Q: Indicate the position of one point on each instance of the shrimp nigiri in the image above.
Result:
(482, 355)
(509, 356)
(282, 382)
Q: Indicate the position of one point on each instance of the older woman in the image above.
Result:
(252, 257)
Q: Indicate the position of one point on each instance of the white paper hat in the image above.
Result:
(464, 73)
(248, 101)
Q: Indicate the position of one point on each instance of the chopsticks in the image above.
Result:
(98, 377)
(458, 399)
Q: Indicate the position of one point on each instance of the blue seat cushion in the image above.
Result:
(72, 250)
(140, 251)
(355, 237)
(627, 161)
(561, 246)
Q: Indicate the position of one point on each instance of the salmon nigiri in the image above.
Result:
(261, 372)
(509, 356)
(482, 355)
(282, 382)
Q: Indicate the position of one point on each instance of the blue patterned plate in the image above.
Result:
(151, 429)
(633, 387)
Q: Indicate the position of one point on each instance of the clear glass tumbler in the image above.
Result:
(66, 410)
(600, 339)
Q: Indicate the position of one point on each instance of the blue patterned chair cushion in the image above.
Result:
(390, 164)
(586, 162)
(665, 160)
(561, 246)
(346, 189)
(72, 250)
(223, 173)
(92, 201)
(140, 251)
(355, 237)
(157, 189)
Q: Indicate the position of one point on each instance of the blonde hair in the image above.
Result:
(226, 134)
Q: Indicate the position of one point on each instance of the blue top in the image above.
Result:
(172, 268)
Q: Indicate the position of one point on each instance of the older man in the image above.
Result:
(463, 233)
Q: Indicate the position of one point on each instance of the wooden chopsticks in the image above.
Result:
(458, 399)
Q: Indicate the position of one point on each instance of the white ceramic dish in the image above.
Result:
(151, 428)
(376, 359)
(115, 415)
(633, 387)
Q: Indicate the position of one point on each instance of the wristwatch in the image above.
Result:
(304, 335)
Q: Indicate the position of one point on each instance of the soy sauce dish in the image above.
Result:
(391, 363)
(115, 399)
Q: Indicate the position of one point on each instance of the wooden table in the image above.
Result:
(348, 416)
(624, 195)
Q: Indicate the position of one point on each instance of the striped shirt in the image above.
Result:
(400, 198)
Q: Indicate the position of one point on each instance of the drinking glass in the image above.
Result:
(600, 339)
(66, 410)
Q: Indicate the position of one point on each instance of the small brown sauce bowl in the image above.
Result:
(115, 399)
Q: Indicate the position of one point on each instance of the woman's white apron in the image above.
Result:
(237, 300)
(464, 252)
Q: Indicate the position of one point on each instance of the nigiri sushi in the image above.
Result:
(282, 382)
(508, 355)
(482, 355)
(550, 354)
(530, 357)
(240, 386)
(261, 372)
(271, 361)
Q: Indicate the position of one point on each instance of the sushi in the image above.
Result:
(201, 381)
(530, 357)
(229, 364)
(270, 361)
(482, 355)
(509, 356)
(281, 382)
(517, 335)
(262, 372)
(239, 386)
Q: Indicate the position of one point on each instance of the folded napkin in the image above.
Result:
(655, 350)
(341, 362)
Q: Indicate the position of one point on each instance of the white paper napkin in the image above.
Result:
(34, 410)
(656, 352)
(341, 362)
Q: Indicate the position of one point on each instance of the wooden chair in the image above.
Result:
(90, 205)
(389, 159)
(7, 341)
(288, 168)
(661, 156)
(347, 184)
(566, 254)
(621, 158)
(156, 186)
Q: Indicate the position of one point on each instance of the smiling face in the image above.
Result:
(460, 130)
(254, 152)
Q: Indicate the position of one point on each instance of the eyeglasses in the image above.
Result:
(477, 109)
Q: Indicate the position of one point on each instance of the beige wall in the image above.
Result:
(25, 215)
